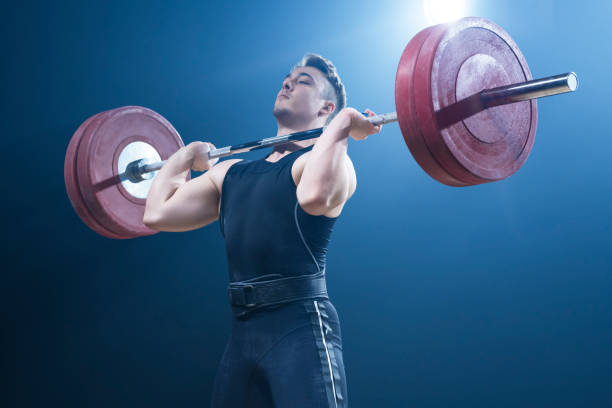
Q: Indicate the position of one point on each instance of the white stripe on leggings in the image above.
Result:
(331, 373)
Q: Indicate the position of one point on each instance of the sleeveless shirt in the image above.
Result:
(266, 231)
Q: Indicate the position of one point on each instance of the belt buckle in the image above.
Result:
(243, 292)
(245, 295)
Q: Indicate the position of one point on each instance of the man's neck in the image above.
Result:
(284, 129)
(286, 148)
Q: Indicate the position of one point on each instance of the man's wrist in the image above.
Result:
(340, 126)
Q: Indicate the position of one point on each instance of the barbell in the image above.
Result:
(465, 103)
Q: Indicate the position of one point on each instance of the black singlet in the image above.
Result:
(289, 355)
(266, 231)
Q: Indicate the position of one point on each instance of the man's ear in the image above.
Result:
(327, 109)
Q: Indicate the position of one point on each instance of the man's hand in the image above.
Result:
(200, 150)
(359, 127)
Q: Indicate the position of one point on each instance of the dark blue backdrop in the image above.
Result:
(495, 295)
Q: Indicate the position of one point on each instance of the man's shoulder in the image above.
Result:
(303, 157)
(298, 167)
(219, 170)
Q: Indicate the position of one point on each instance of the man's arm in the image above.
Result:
(175, 204)
(328, 178)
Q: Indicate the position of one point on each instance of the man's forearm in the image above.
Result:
(325, 178)
(171, 176)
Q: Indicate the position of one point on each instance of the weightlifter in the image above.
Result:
(276, 215)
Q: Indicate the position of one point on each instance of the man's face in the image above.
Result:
(300, 97)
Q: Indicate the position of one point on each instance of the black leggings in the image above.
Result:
(289, 356)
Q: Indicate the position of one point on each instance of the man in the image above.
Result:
(276, 215)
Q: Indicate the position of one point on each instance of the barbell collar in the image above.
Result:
(383, 119)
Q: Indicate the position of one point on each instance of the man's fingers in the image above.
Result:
(371, 113)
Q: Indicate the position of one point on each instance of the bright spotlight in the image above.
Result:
(443, 11)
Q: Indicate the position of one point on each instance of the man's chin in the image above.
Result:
(279, 112)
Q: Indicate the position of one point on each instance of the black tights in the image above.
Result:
(289, 356)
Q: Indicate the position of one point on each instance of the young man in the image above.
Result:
(276, 215)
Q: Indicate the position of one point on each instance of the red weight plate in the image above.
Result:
(83, 182)
(84, 187)
(71, 181)
(405, 104)
(110, 204)
(458, 60)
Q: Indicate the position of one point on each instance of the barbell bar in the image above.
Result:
(537, 88)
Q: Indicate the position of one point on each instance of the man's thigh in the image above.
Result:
(306, 368)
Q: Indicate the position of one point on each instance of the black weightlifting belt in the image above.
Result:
(247, 296)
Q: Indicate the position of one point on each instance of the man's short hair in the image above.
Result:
(337, 94)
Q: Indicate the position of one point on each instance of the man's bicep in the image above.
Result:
(193, 205)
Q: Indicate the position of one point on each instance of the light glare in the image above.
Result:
(443, 11)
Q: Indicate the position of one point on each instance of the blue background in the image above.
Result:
(494, 295)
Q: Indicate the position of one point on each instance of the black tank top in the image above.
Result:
(266, 231)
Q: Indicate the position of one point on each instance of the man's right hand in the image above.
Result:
(199, 152)
(360, 127)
